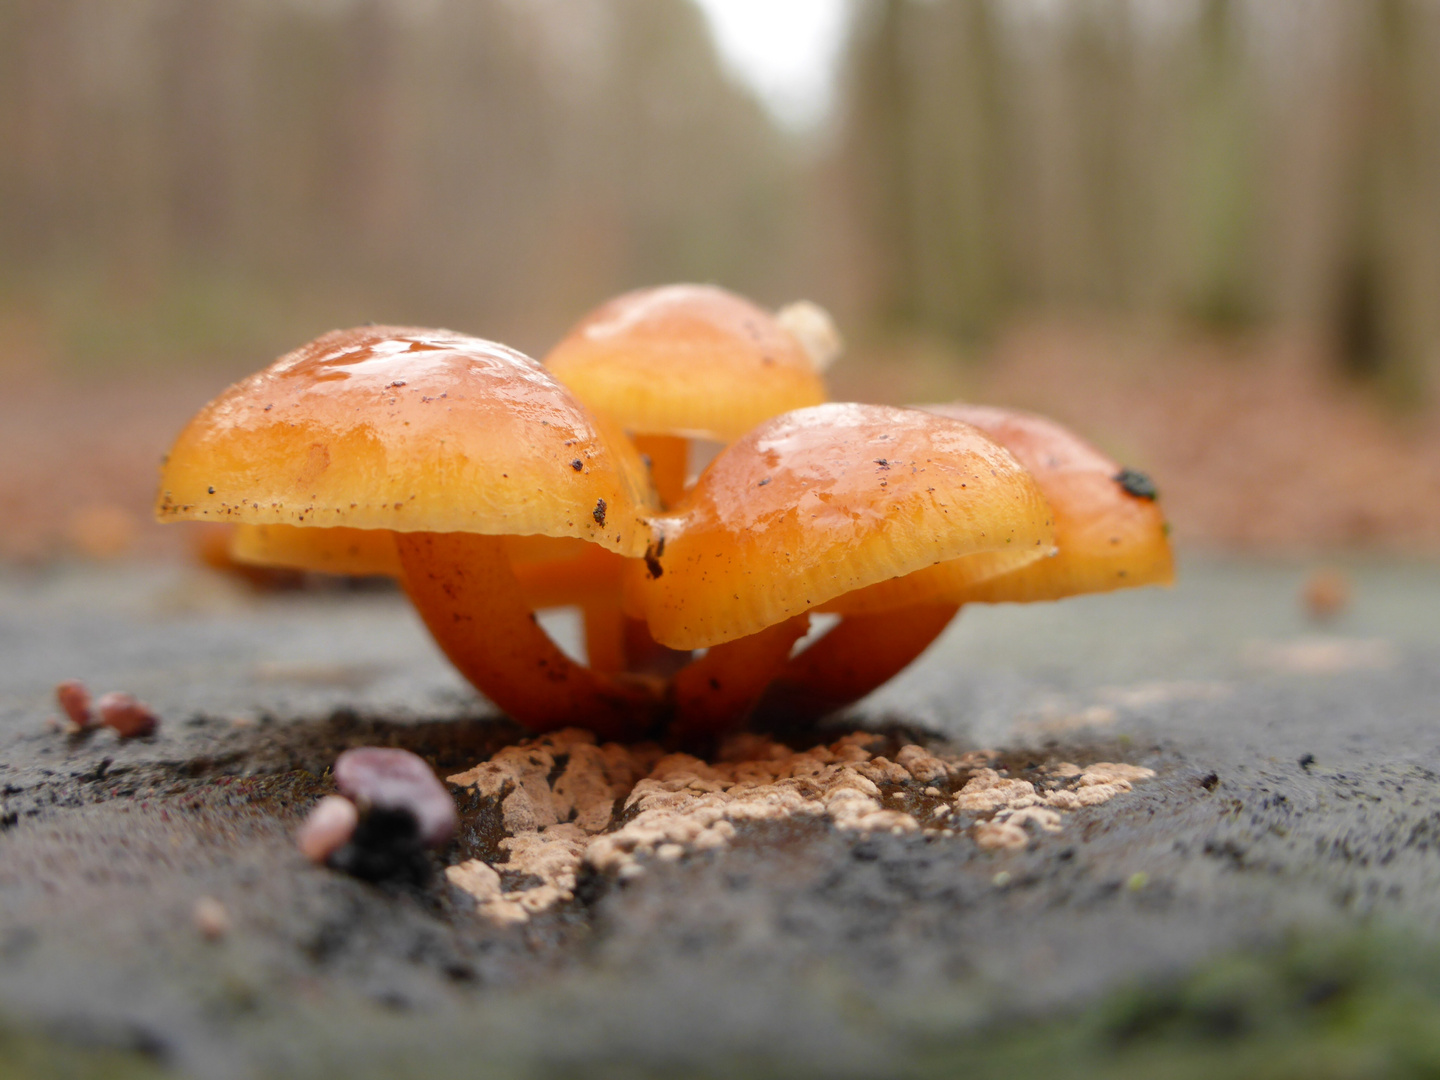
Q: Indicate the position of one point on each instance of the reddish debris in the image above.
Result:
(398, 781)
(74, 698)
(130, 718)
(329, 827)
(211, 918)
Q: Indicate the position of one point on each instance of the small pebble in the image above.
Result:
(380, 778)
(74, 698)
(130, 718)
(211, 918)
(328, 828)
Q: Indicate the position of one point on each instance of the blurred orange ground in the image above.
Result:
(1254, 448)
(81, 459)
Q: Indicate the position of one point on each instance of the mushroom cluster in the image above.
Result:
(492, 487)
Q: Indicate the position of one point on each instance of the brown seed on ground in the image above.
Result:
(1326, 593)
(74, 698)
(129, 717)
(390, 779)
(328, 828)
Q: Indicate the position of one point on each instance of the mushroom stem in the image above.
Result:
(669, 464)
(604, 636)
(465, 591)
(646, 656)
(860, 654)
(713, 694)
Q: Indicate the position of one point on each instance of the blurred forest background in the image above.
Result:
(1206, 232)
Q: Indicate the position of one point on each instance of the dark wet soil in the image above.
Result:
(1289, 798)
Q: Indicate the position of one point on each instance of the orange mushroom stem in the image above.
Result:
(712, 694)
(853, 659)
(669, 457)
(464, 589)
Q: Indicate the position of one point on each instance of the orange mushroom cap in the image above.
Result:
(689, 360)
(1109, 532)
(408, 430)
(823, 501)
(1109, 528)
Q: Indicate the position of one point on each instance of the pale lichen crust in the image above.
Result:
(615, 810)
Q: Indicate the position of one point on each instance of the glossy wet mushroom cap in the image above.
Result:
(408, 430)
(824, 501)
(1109, 534)
(451, 447)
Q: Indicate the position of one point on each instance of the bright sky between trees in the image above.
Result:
(787, 50)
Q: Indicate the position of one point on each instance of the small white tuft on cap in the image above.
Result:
(811, 325)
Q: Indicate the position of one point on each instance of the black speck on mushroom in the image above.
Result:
(1136, 483)
(652, 557)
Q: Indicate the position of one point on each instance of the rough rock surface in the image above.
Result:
(1297, 784)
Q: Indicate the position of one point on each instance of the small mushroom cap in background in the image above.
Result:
(384, 778)
(1108, 536)
(823, 501)
(408, 430)
(689, 360)
(327, 828)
